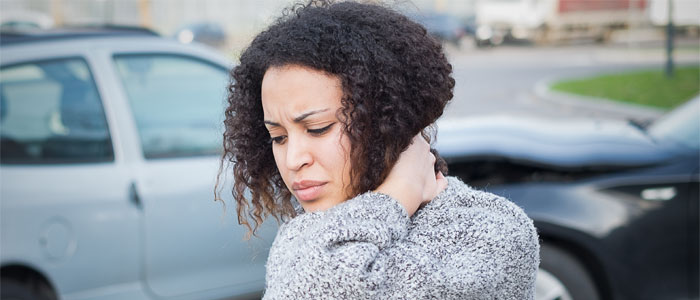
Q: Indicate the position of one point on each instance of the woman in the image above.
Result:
(332, 105)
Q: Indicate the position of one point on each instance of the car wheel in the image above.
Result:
(561, 276)
(549, 287)
(11, 289)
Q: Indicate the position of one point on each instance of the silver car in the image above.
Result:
(111, 139)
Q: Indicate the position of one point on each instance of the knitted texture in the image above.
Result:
(464, 244)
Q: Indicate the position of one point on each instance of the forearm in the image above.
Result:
(354, 251)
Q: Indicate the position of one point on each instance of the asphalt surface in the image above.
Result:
(512, 79)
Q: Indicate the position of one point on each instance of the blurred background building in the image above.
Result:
(230, 24)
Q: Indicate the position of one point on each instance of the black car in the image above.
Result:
(615, 203)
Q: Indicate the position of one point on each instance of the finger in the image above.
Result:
(441, 183)
(430, 188)
(439, 176)
(432, 185)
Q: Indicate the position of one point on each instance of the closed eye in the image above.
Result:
(320, 131)
(278, 139)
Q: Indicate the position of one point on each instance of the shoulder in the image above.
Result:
(462, 215)
(459, 197)
(479, 237)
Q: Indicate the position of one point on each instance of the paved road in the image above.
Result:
(502, 80)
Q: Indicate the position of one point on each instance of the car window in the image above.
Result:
(177, 103)
(51, 112)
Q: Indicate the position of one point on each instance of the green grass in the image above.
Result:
(648, 87)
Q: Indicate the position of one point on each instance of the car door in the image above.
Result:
(694, 234)
(66, 210)
(192, 244)
(656, 244)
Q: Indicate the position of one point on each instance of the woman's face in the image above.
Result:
(308, 142)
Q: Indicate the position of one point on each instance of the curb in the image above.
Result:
(635, 111)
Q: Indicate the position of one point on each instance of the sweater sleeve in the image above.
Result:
(355, 250)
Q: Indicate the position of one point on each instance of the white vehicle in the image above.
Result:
(110, 147)
(554, 20)
(685, 13)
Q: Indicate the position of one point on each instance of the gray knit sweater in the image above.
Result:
(465, 244)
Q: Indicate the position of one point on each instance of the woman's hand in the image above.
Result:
(412, 181)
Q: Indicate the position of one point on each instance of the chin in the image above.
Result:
(317, 205)
(313, 207)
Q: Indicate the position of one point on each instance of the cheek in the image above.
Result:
(280, 155)
(339, 146)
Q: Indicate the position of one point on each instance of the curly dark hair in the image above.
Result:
(395, 80)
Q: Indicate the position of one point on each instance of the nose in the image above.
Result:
(298, 153)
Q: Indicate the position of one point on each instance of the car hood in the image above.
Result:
(562, 143)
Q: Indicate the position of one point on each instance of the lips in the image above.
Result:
(307, 190)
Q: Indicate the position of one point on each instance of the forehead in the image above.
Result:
(294, 89)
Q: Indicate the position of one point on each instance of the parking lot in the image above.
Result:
(503, 80)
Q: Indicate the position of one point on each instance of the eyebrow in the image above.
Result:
(299, 118)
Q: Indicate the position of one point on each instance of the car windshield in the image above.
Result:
(681, 125)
